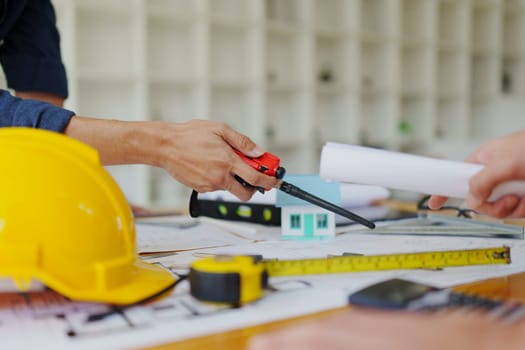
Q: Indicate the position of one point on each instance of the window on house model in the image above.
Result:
(295, 221)
(322, 220)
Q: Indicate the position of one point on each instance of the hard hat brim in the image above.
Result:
(147, 280)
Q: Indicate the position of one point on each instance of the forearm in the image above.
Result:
(197, 153)
(119, 142)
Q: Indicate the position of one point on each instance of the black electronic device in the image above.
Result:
(407, 295)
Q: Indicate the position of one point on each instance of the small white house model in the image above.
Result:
(302, 220)
(307, 222)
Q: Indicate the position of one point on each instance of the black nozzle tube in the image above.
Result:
(301, 194)
(279, 173)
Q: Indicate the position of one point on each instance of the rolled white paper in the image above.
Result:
(401, 171)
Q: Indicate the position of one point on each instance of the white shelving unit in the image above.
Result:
(293, 74)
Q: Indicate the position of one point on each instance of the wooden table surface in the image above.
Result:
(509, 287)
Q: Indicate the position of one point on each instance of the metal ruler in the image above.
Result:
(242, 279)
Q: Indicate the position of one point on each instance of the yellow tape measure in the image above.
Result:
(242, 279)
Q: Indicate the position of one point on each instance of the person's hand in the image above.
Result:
(380, 330)
(504, 161)
(198, 153)
(436, 202)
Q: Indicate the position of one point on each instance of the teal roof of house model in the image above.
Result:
(313, 184)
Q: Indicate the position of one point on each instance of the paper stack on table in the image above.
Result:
(351, 195)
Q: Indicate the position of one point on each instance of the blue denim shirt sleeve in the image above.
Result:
(31, 113)
(30, 53)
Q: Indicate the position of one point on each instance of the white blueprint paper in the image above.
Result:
(176, 234)
(46, 320)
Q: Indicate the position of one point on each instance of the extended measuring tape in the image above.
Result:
(242, 279)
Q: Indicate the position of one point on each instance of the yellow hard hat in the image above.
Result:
(65, 222)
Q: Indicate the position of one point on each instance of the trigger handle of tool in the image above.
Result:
(267, 163)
